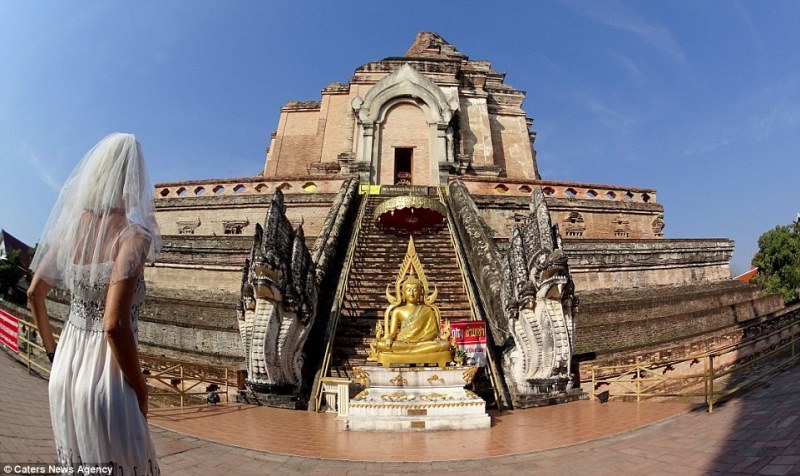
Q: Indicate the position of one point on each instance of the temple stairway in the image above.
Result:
(376, 264)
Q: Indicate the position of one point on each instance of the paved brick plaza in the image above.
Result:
(757, 433)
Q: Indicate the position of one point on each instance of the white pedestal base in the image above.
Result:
(416, 399)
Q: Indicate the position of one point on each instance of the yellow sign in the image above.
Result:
(367, 189)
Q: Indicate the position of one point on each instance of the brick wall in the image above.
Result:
(405, 126)
(212, 212)
(475, 131)
(512, 148)
(622, 264)
(601, 219)
(339, 130)
(611, 322)
(295, 147)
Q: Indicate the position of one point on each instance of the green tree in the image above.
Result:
(778, 261)
(10, 271)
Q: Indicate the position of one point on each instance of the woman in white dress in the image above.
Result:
(99, 235)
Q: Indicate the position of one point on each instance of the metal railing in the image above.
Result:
(475, 309)
(180, 379)
(726, 371)
(34, 353)
(173, 377)
(336, 310)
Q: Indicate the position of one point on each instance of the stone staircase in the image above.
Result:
(375, 265)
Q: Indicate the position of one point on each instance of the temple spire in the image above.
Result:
(428, 44)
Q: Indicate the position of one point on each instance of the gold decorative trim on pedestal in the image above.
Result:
(469, 374)
(399, 380)
(433, 379)
(432, 397)
(360, 377)
(399, 397)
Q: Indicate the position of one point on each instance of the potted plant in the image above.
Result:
(459, 356)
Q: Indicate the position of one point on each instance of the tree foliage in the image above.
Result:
(778, 261)
(10, 271)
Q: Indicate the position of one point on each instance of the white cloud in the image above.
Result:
(43, 172)
(710, 146)
(607, 114)
(629, 65)
(656, 36)
(755, 118)
(779, 116)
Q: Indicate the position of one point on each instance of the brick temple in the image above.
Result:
(424, 122)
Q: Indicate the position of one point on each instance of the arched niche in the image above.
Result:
(405, 85)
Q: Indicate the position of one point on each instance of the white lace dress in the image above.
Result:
(95, 411)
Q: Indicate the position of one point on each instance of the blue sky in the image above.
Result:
(699, 100)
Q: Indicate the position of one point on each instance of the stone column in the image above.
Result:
(368, 152)
(438, 152)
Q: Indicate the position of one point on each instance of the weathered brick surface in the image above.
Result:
(492, 129)
(601, 219)
(512, 147)
(178, 324)
(635, 321)
(296, 144)
(405, 127)
(337, 124)
(213, 211)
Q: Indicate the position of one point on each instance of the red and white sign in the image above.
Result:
(9, 330)
(471, 336)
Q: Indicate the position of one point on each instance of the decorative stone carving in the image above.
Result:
(234, 227)
(477, 241)
(538, 296)
(529, 301)
(280, 287)
(658, 226)
(324, 169)
(187, 227)
(622, 226)
(403, 83)
(574, 225)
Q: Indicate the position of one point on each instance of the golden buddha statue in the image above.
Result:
(411, 332)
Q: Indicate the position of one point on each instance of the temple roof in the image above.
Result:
(431, 45)
(11, 243)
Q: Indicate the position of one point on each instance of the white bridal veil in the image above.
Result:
(103, 220)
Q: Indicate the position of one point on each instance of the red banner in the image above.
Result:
(9, 330)
(471, 337)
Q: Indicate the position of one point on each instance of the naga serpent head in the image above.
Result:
(549, 269)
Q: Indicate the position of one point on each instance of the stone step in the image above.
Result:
(445, 273)
(376, 298)
(380, 303)
(372, 316)
(379, 308)
(375, 265)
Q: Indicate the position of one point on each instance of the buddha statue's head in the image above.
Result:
(412, 289)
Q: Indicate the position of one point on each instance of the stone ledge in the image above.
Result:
(556, 183)
(585, 254)
(660, 330)
(228, 201)
(561, 204)
(603, 301)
